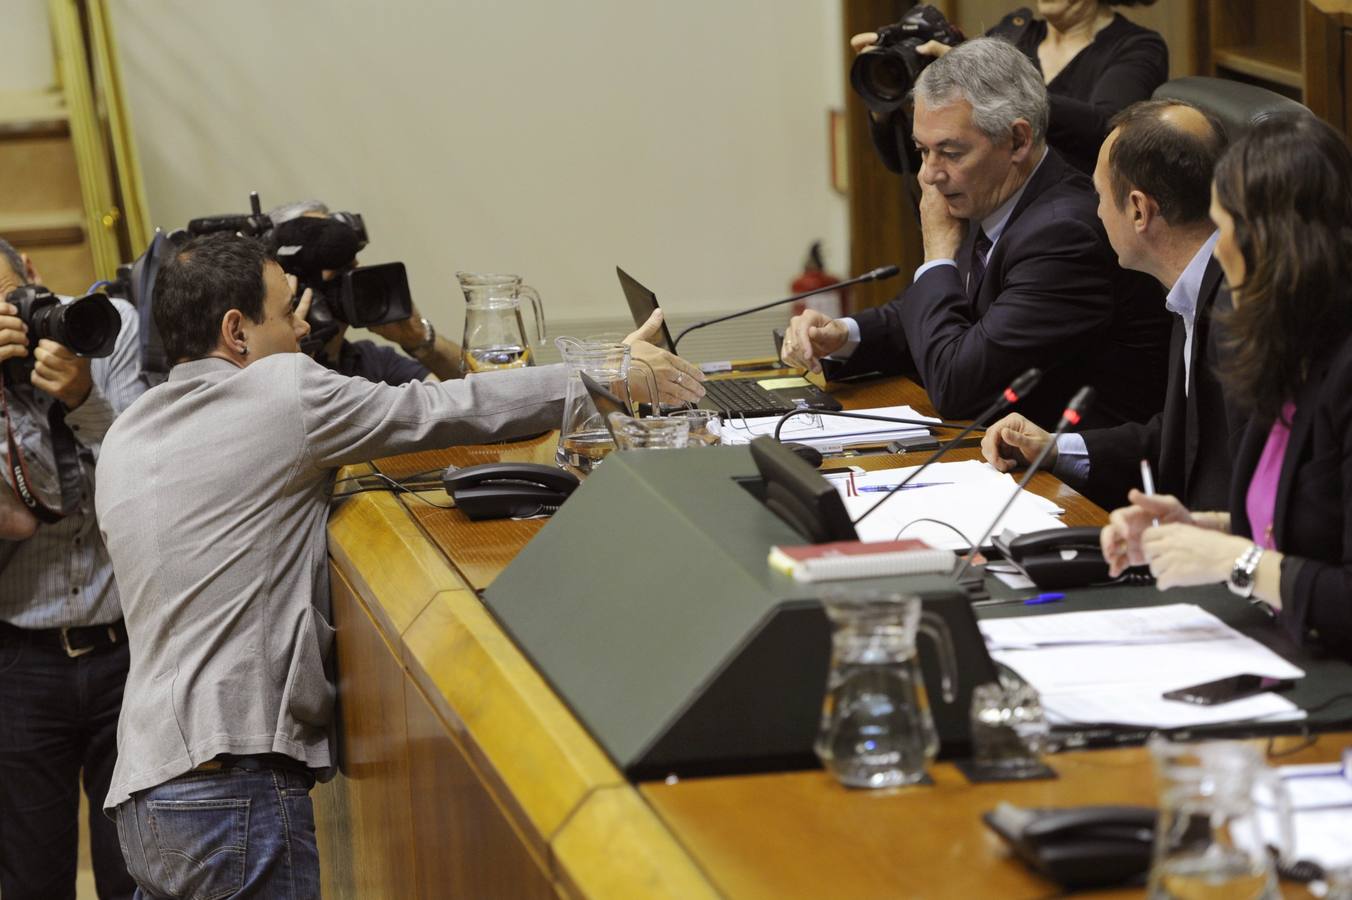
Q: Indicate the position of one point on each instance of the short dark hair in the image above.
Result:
(1170, 164)
(1287, 185)
(208, 276)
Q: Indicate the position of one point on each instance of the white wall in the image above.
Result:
(26, 60)
(685, 141)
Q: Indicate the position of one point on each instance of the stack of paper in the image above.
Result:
(948, 506)
(1112, 666)
(827, 433)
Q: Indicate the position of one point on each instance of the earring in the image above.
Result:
(243, 349)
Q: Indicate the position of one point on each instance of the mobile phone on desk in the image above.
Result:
(1224, 690)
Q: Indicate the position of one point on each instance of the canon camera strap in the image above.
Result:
(63, 449)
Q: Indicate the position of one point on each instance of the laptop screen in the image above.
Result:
(642, 302)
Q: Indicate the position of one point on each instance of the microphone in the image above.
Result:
(1075, 409)
(1016, 391)
(879, 274)
(307, 245)
(807, 411)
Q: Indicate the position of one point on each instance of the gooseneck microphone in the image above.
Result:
(1075, 410)
(1016, 391)
(881, 274)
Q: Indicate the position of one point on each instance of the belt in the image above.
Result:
(76, 641)
(255, 762)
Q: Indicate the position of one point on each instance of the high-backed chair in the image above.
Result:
(1239, 106)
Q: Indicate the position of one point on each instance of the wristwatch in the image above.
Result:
(1242, 579)
(426, 343)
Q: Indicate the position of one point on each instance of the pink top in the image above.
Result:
(1261, 501)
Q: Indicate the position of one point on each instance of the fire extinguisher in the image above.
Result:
(814, 276)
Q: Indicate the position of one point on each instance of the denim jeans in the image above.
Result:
(58, 718)
(209, 835)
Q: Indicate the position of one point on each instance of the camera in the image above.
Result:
(88, 326)
(884, 74)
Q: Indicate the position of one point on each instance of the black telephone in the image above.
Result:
(1060, 557)
(508, 489)
(1079, 846)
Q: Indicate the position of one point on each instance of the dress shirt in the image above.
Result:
(1072, 457)
(213, 497)
(993, 225)
(61, 576)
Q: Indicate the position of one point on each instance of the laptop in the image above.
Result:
(737, 396)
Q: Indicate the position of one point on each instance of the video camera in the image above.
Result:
(87, 326)
(884, 74)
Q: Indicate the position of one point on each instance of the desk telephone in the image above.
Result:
(1079, 846)
(1061, 557)
(508, 489)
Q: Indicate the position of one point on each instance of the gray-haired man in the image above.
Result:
(1018, 271)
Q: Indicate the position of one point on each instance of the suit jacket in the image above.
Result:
(1312, 521)
(1189, 442)
(1052, 296)
(213, 496)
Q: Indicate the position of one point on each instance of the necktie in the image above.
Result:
(977, 267)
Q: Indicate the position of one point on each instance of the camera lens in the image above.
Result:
(89, 326)
(885, 75)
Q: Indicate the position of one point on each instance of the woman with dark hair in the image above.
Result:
(1282, 199)
(1094, 61)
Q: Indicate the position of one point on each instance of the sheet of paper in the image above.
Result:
(827, 432)
(960, 497)
(1113, 666)
(1147, 709)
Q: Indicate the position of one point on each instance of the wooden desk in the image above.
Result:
(463, 775)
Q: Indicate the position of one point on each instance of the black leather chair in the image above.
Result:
(1239, 106)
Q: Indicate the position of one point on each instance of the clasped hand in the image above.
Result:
(56, 370)
(1182, 549)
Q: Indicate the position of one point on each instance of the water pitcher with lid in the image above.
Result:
(495, 334)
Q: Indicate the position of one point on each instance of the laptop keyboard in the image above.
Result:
(743, 397)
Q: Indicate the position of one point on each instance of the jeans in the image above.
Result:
(58, 718)
(232, 833)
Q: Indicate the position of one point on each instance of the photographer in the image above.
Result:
(436, 355)
(63, 650)
(213, 496)
(1094, 61)
(428, 351)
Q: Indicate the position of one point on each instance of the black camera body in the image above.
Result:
(87, 326)
(884, 74)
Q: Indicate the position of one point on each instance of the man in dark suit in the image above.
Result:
(1154, 182)
(1018, 272)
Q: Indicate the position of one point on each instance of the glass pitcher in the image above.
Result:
(1210, 840)
(495, 334)
(876, 729)
(584, 439)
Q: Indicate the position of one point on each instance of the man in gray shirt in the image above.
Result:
(63, 648)
(213, 497)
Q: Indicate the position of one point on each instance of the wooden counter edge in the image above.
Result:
(615, 845)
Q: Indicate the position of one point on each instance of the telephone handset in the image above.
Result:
(1061, 557)
(508, 489)
(1079, 846)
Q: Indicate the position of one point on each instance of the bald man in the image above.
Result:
(1153, 179)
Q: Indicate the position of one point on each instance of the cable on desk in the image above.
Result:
(402, 486)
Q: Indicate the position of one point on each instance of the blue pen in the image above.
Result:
(1043, 598)
(880, 488)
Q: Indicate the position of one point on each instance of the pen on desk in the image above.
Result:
(880, 488)
(1148, 484)
(1023, 601)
